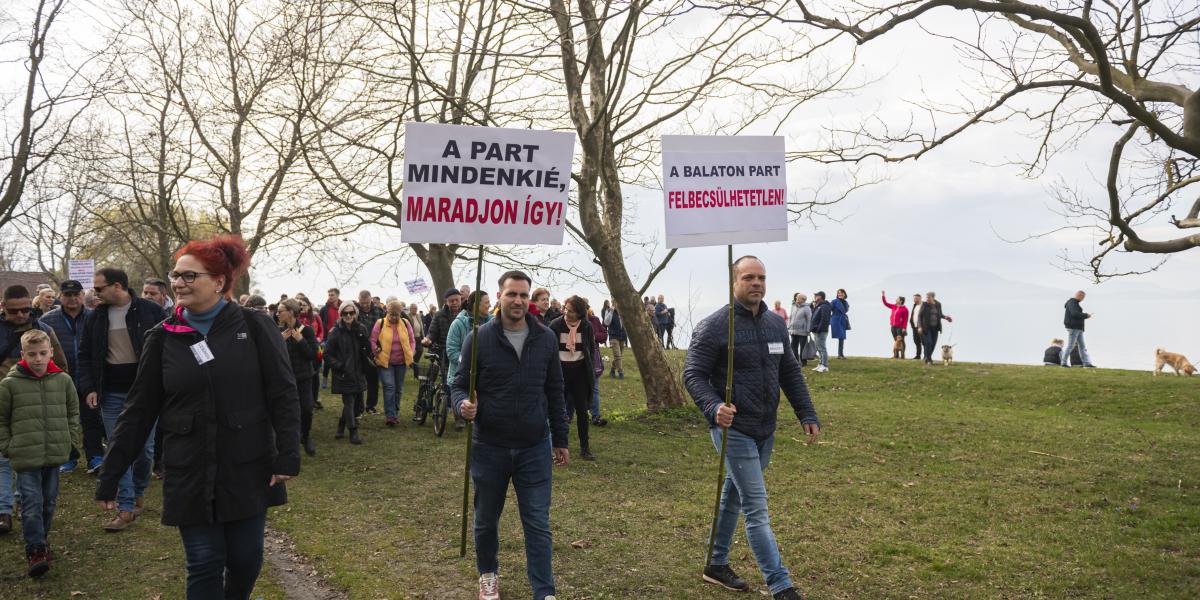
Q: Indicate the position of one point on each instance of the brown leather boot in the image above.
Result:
(120, 522)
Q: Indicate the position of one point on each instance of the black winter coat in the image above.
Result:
(559, 327)
(762, 364)
(143, 315)
(302, 353)
(228, 425)
(347, 352)
(931, 316)
(439, 328)
(520, 399)
(1074, 317)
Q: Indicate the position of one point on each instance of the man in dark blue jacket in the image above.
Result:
(1074, 322)
(822, 314)
(68, 323)
(520, 422)
(763, 363)
(108, 360)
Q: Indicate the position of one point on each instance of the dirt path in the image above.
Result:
(299, 578)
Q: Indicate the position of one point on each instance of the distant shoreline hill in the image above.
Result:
(985, 287)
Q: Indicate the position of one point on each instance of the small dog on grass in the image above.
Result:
(898, 347)
(947, 354)
(1177, 361)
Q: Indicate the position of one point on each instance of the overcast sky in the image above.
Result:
(945, 213)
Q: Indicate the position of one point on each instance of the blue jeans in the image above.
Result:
(6, 487)
(746, 492)
(822, 351)
(596, 399)
(223, 559)
(1075, 338)
(492, 467)
(393, 388)
(133, 483)
(39, 493)
(929, 341)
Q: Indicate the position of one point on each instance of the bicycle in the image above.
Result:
(432, 375)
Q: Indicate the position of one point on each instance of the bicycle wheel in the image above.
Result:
(420, 410)
(441, 406)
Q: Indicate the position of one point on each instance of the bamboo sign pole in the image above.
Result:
(712, 536)
(462, 546)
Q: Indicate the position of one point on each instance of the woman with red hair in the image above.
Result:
(217, 379)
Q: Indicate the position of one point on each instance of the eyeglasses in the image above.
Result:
(18, 311)
(188, 277)
(349, 313)
(101, 288)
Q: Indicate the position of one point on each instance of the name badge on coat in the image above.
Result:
(202, 352)
(775, 347)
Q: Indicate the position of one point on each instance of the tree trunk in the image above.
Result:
(660, 382)
(439, 260)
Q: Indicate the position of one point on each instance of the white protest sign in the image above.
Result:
(82, 271)
(416, 286)
(485, 185)
(722, 190)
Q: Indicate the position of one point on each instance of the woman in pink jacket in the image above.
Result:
(394, 345)
(899, 320)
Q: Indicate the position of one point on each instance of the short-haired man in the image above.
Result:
(155, 290)
(913, 319)
(439, 328)
(762, 366)
(1074, 321)
(369, 312)
(661, 318)
(18, 319)
(68, 322)
(520, 422)
(108, 361)
(329, 317)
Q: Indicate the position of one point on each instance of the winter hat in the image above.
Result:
(348, 304)
(451, 292)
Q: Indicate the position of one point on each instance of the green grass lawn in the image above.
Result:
(974, 481)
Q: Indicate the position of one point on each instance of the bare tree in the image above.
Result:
(231, 82)
(47, 108)
(1069, 68)
(462, 62)
(635, 70)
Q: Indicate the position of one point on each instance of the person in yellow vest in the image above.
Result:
(394, 345)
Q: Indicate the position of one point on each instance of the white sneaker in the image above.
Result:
(489, 587)
(821, 369)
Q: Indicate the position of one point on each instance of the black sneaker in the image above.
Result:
(789, 594)
(724, 576)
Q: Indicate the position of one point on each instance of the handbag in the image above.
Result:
(809, 351)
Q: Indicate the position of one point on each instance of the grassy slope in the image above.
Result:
(925, 485)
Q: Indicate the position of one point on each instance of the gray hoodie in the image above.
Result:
(800, 318)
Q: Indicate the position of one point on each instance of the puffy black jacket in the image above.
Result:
(228, 425)
(439, 327)
(143, 315)
(616, 329)
(347, 352)
(520, 399)
(302, 353)
(822, 313)
(1074, 316)
(70, 334)
(762, 363)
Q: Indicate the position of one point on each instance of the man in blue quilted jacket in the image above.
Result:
(763, 364)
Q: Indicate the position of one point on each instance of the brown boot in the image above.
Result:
(138, 506)
(120, 522)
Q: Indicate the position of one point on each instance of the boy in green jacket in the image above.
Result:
(39, 424)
